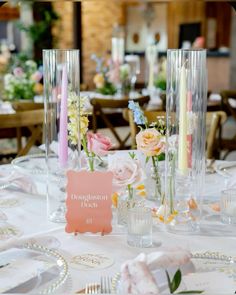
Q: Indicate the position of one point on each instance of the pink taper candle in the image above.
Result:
(63, 137)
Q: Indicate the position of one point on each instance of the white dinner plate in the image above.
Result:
(47, 270)
(31, 164)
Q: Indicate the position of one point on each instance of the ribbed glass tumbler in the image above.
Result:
(186, 103)
(62, 124)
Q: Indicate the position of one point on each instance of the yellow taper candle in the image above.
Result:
(182, 152)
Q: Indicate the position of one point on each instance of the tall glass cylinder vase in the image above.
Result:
(151, 56)
(62, 124)
(185, 138)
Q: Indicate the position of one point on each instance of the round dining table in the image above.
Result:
(26, 211)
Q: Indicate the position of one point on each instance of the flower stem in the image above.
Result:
(89, 156)
(157, 177)
(171, 184)
(130, 191)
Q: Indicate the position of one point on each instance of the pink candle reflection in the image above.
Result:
(63, 137)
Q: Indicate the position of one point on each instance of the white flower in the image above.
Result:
(126, 171)
(31, 64)
(8, 79)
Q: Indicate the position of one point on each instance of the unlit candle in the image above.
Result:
(183, 155)
(63, 136)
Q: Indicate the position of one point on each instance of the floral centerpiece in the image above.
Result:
(127, 172)
(160, 81)
(128, 176)
(95, 145)
(23, 82)
(151, 142)
(111, 77)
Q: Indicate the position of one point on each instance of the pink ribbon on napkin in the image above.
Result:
(137, 277)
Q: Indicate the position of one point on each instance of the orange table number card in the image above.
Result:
(89, 202)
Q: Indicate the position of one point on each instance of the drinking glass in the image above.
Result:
(134, 63)
(139, 223)
(228, 206)
(62, 124)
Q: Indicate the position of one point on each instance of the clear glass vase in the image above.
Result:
(62, 124)
(154, 182)
(185, 138)
(126, 202)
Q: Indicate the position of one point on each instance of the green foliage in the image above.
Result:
(107, 89)
(160, 83)
(40, 29)
(161, 157)
(175, 283)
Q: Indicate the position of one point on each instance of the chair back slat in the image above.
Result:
(100, 108)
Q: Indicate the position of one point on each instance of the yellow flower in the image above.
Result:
(140, 187)
(99, 80)
(114, 199)
(142, 194)
(74, 113)
(84, 124)
(38, 88)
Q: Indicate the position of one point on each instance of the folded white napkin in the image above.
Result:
(43, 240)
(21, 264)
(137, 277)
(24, 182)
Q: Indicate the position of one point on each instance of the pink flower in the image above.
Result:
(150, 142)
(36, 76)
(98, 143)
(126, 171)
(114, 73)
(18, 72)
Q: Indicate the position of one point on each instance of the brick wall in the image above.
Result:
(98, 18)
(64, 31)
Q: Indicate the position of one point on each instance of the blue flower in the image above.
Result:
(138, 114)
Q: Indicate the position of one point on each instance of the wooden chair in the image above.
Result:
(31, 121)
(229, 96)
(26, 106)
(106, 108)
(214, 121)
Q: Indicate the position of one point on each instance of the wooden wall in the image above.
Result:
(180, 12)
(221, 12)
(64, 31)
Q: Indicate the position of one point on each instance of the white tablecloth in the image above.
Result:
(30, 217)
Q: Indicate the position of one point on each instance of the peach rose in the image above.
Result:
(126, 171)
(150, 142)
(98, 143)
(36, 76)
(99, 80)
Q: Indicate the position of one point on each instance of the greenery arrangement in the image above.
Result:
(40, 32)
(160, 81)
(111, 76)
(22, 81)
